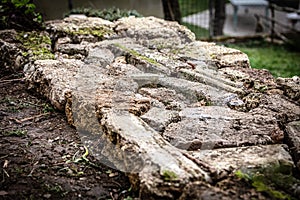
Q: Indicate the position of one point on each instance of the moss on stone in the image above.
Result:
(275, 180)
(98, 32)
(169, 175)
(138, 55)
(37, 44)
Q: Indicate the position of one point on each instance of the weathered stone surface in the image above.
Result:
(218, 127)
(283, 109)
(154, 32)
(290, 87)
(172, 112)
(10, 51)
(250, 157)
(80, 29)
(52, 78)
(293, 137)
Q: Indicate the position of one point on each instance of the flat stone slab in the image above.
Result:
(210, 127)
(172, 112)
(250, 157)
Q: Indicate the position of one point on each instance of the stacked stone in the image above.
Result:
(172, 112)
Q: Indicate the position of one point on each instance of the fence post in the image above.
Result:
(210, 28)
(171, 10)
(70, 4)
(272, 22)
(218, 17)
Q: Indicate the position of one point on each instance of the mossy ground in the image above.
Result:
(37, 44)
(277, 181)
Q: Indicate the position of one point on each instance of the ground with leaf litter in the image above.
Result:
(42, 157)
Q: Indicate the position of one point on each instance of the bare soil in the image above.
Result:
(42, 157)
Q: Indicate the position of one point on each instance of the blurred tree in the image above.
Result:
(19, 14)
(219, 15)
(171, 10)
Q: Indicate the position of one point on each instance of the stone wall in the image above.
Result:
(172, 112)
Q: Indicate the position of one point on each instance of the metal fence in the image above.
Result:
(196, 16)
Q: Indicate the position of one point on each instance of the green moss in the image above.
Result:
(169, 175)
(213, 56)
(37, 44)
(276, 181)
(18, 133)
(98, 32)
(138, 55)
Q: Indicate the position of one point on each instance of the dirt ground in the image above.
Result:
(42, 157)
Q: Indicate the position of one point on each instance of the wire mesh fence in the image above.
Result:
(195, 15)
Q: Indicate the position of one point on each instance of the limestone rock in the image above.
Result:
(250, 157)
(153, 32)
(11, 51)
(52, 78)
(291, 87)
(293, 137)
(218, 127)
(171, 112)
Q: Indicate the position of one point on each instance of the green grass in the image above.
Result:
(278, 59)
(188, 7)
(199, 31)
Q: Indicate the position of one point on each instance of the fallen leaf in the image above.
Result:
(5, 164)
(47, 196)
(113, 174)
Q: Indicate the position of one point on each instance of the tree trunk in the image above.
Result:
(171, 10)
(70, 4)
(218, 16)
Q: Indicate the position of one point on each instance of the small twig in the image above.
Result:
(11, 80)
(6, 173)
(111, 195)
(115, 182)
(33, 168)
(200, 163)
(3, 156)
(57, 164)
(20, 121)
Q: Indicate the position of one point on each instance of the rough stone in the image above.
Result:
(250, 157)
(154, 32)
(11, 56)
(171, 112)
(218, 127)
(293, 137)
(159, 118)
(52, 78)
(291, 87)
